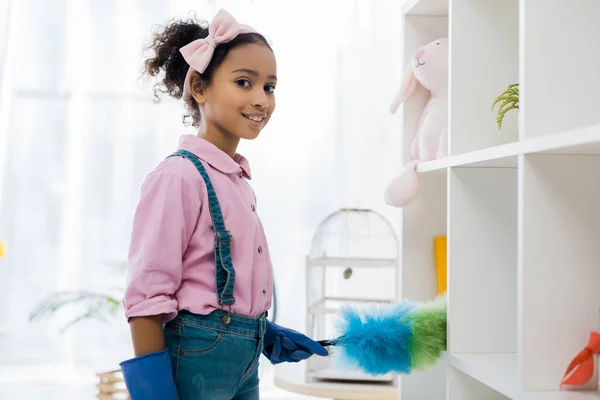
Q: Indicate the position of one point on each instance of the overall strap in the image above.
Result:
(222, 248)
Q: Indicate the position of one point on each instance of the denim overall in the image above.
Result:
(215, 356)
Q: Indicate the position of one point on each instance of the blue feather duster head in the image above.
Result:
(377, 341)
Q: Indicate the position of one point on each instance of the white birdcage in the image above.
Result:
(353, 261)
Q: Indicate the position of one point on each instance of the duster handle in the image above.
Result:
(330, 342)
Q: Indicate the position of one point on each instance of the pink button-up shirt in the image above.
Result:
(171, 259)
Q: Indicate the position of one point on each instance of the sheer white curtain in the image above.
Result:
(78, 135)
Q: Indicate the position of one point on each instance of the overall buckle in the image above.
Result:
(223, 236)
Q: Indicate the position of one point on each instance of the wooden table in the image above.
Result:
(291, 377)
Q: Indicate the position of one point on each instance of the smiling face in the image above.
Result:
(240, 99)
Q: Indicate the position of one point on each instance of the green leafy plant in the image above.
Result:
(87, 304)
(509, 100)
(97, 306)
(93, 305)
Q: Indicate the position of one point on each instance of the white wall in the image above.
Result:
(81, 136)
(350, 146)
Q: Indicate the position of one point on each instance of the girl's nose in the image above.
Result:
(419, 53)
(260, 100)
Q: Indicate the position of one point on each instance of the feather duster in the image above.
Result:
(401, 338)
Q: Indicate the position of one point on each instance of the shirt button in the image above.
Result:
(240, 174)
(252, 207)
(265, 291)
(260, 249)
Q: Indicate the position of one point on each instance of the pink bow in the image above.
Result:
(222, 29)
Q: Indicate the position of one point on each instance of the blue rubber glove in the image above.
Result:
(286, 345)
(150, 377)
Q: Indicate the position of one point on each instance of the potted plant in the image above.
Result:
(99, 306)
(509, 100)
(94, 305)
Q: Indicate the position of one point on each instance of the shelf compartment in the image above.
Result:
(559, 73)
(418, 31)
(499, 371)
(423, 220)
(559, 266)
(484, 60)
(482, 260)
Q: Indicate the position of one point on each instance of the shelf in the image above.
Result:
(503, 156)
(319, 307)
(499, 372)
(585, 140)
(482, 247)
(563, 395)
(353, 262)
(434, 8)
(518, 204)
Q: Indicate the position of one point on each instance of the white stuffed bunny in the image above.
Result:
(429, 67)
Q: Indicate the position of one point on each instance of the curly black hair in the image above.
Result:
(168, 66)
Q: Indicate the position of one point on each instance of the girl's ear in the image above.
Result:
(197, 88)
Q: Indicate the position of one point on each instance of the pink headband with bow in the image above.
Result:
(223, 28)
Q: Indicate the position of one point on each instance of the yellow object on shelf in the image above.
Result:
(2, 249)
(439, 247)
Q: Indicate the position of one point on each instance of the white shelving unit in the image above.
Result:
(520, 206)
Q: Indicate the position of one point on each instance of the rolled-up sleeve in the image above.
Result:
(163, 223)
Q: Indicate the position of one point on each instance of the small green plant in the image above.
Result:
(88, 305)
(509, 100)
(97, 306)
(81, 304)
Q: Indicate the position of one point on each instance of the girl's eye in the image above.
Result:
(243, 82)
(270, 88)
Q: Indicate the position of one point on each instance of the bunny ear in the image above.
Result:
(409, 83)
